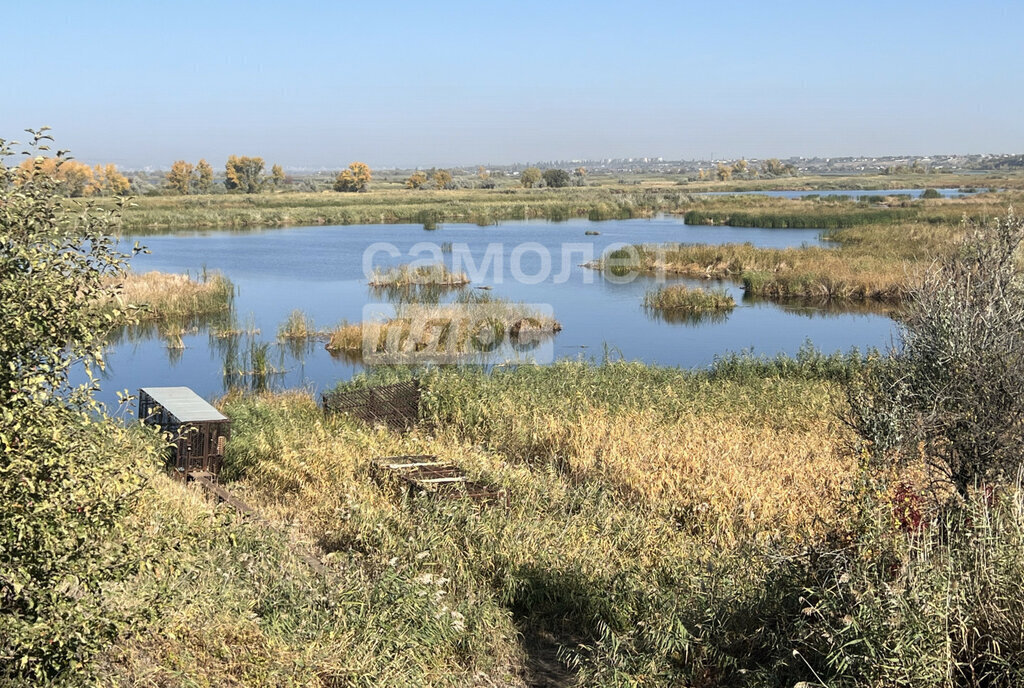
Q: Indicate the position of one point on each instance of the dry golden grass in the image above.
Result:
(160, 295)
(679, 297)
(736, 475)
(730, 478)
(449, 329)
(346, 337)
(408, 276)
(876, 262)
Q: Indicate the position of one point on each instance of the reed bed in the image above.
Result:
(661, 527)
(158, 295)
(477, 323)
(428, 208)
(683, 299)
(405, 276)
(299, 326)
(868, 263)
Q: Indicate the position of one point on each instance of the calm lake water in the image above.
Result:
(321, 271)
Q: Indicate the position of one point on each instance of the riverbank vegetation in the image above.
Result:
(866, 261)
(682, 299)
(820, 274)
(421, 207)
(165, 296)
(842, 520)
(474, 323)
(408, 276)
(766, 522)
(487, 206)
(656, 521)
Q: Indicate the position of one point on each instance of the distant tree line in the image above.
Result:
(530, 177)
(741, 169)
(245, 174)
(76, 178)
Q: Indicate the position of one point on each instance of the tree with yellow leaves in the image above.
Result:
(244, 174)
(109, 182)
(179, 179)
(443, 179)
(416, 180)
(204, 183)
(76, 178)
(355, 178)
(277, 176)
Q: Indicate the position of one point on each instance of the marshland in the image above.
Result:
(714, 469)
(829, 268)
(490, 345)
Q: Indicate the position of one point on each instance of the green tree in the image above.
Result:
(355, 178)
(244, 174)
(66, 484)
(556, 178)
(416, 180)
(179, 179)
(204, 183)
(529, 177)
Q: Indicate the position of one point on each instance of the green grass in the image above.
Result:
(427, 208)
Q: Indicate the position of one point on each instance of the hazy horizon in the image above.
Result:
(311, 85)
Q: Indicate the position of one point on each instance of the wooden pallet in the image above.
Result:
(424, 473)
(396, 405)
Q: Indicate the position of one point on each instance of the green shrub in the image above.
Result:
(66, 477)
(953, 390)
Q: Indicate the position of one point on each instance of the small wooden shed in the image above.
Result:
(198, 431)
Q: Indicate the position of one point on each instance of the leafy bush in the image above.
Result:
(953, 391)
(66, 478)
(556, 178)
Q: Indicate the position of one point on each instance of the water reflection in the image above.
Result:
(248, 362)
(824, 308)
(678, 316)
(413, 293)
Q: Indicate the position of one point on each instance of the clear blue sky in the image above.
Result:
(444, 83)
